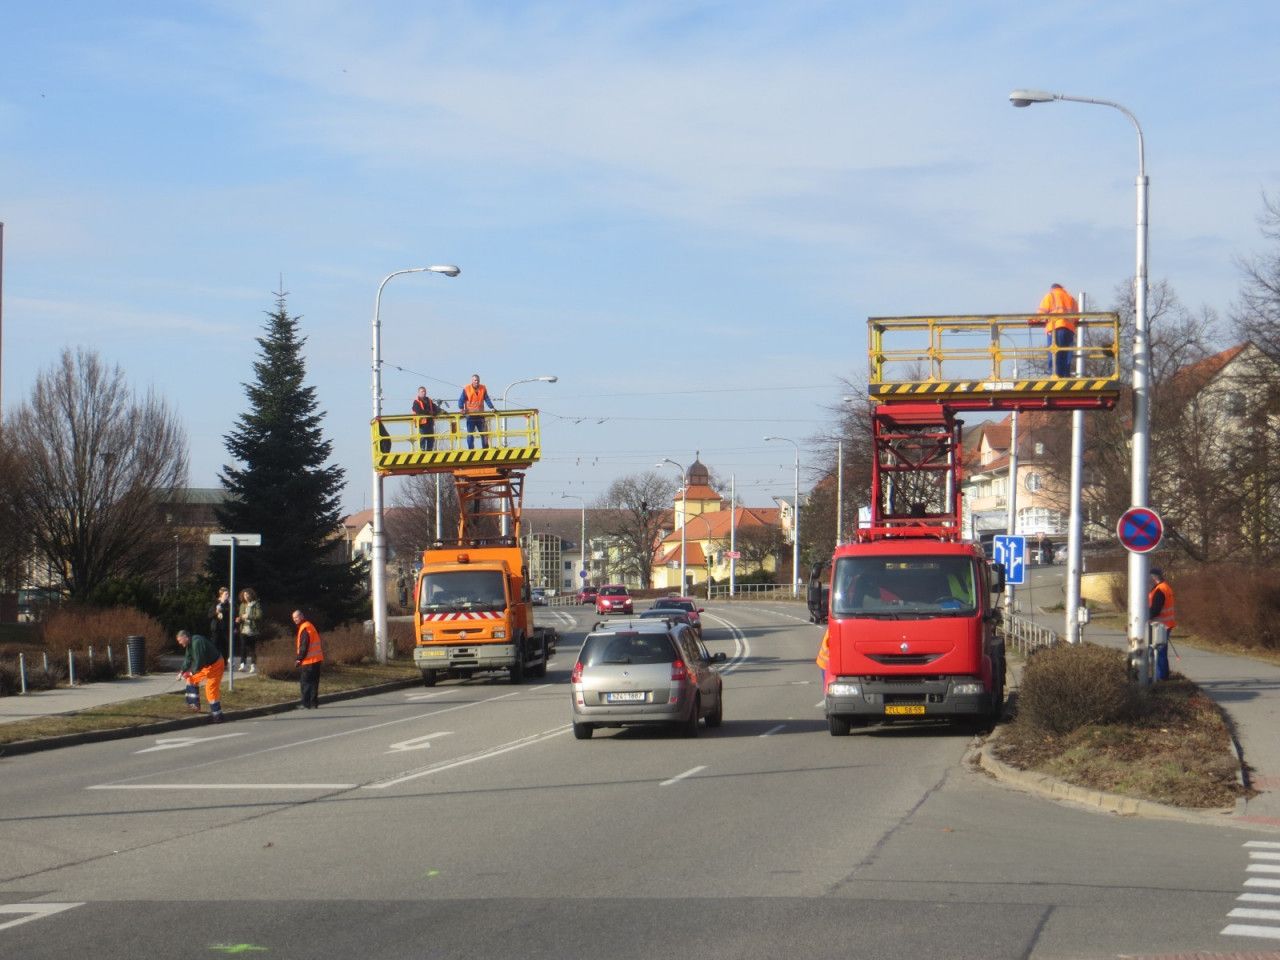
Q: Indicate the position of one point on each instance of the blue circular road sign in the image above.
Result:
(1140, 529)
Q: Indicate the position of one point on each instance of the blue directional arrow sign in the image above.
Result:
(1140, 529)
(1012, 552)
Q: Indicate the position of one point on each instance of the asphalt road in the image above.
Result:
(465, 820)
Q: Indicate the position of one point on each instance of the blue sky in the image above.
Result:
(683, 210)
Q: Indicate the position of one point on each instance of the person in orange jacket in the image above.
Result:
(472, 401)
(1060, 330)
(1160, 609)
(424, 408)
(823, 660)
(310, 659)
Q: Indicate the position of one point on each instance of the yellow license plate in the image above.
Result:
(904, 709)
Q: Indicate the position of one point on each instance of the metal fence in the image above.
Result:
(1025, 635)
(751, 591)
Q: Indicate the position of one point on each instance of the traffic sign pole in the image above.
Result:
(230, 540)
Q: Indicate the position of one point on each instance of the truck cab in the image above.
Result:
(913, 633)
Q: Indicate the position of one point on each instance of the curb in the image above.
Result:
(20, 747)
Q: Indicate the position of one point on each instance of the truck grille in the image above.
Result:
(904, 659)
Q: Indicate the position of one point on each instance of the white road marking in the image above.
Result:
(1263, 844)
(741, 648)
(473, 758)
(541, 686)
(341, 733)
(1254, 855)
(1263, 868)
(773, 730)
(680, 776)
(223, 786)
(1248, 930)
(1259, 897)
(418, 743)
(176, 743)
(1262, 882)
(1252, 913)
(33, 911)
(413, 697)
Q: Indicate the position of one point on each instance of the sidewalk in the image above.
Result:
(1248, 690)
(85, 696)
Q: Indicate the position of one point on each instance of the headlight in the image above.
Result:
(499, 634)
(427, 635)
(841, 689)
(966, 688)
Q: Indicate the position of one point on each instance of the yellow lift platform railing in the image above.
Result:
(509, 438)
(996, 362)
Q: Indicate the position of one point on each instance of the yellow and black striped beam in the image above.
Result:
(887, 392)
(443, 461)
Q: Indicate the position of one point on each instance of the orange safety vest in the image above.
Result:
(824, 651)
(475, 398)
(1058, 301)
(310, 651)
(427, 407)
(1166, 614)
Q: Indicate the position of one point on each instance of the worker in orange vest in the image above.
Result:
(310, 659)
(1060, 330)
(1160, 609)
(472, 401)
(823, 659)
(202, 663)
(425, 409)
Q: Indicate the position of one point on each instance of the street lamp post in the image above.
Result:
(684, 515)
(582, 537)
(507, 388)
(1141, 364)
(378, 585)
(795, 523)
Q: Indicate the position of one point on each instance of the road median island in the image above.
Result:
(1170, 748)
(253, 696)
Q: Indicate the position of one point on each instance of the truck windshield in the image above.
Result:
(908, 587)
(459, 590)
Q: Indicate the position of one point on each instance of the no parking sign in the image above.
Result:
(1140, 529)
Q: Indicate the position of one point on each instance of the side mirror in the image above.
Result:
(702, 610)
(997, 585)
(718, 657)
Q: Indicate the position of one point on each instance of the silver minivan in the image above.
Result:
(645, 672)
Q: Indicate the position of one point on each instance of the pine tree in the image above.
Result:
(284, 490)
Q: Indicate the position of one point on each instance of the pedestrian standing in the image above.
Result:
(202, 664)
(472, 401)
(1060, 330)
(220, 617)
(310, 659)
(249, 626)
(425, 409)
(1160, 609)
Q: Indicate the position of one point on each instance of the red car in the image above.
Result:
(613, 598)
(684, 604)
(587, 595)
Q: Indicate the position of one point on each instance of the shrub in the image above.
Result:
(1068, 686)
(1229, 604)
(76, 628)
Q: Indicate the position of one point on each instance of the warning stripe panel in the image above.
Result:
(465, 615)
(1002, 387)
(448, 458)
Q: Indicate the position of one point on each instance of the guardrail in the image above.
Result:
(751, 591)
(1026, 636)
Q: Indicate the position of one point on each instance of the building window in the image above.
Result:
(1233, 403)
(1033, 520)
(1033, 482)
(1039, 449)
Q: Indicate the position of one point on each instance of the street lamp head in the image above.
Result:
(549, 379)
(448, 269)
(773, 438)
(1024, 98)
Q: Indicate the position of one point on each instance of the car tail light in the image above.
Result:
(576, 676)
(679, 671)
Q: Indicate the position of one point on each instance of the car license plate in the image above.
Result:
(636, 697)
(904, 709)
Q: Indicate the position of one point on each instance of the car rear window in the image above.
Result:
(620, 648)
(674, 604)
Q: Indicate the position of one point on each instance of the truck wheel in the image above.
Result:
(582, 731)
(541, 669)
(428, 678)
(839, 726)
(517, 668)
(689, 728)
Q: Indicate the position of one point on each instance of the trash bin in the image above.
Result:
(136, 653)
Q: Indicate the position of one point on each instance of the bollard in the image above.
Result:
(46, 661)
(71, 669)
(111, 661)
(89, 674)
(22, 672)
